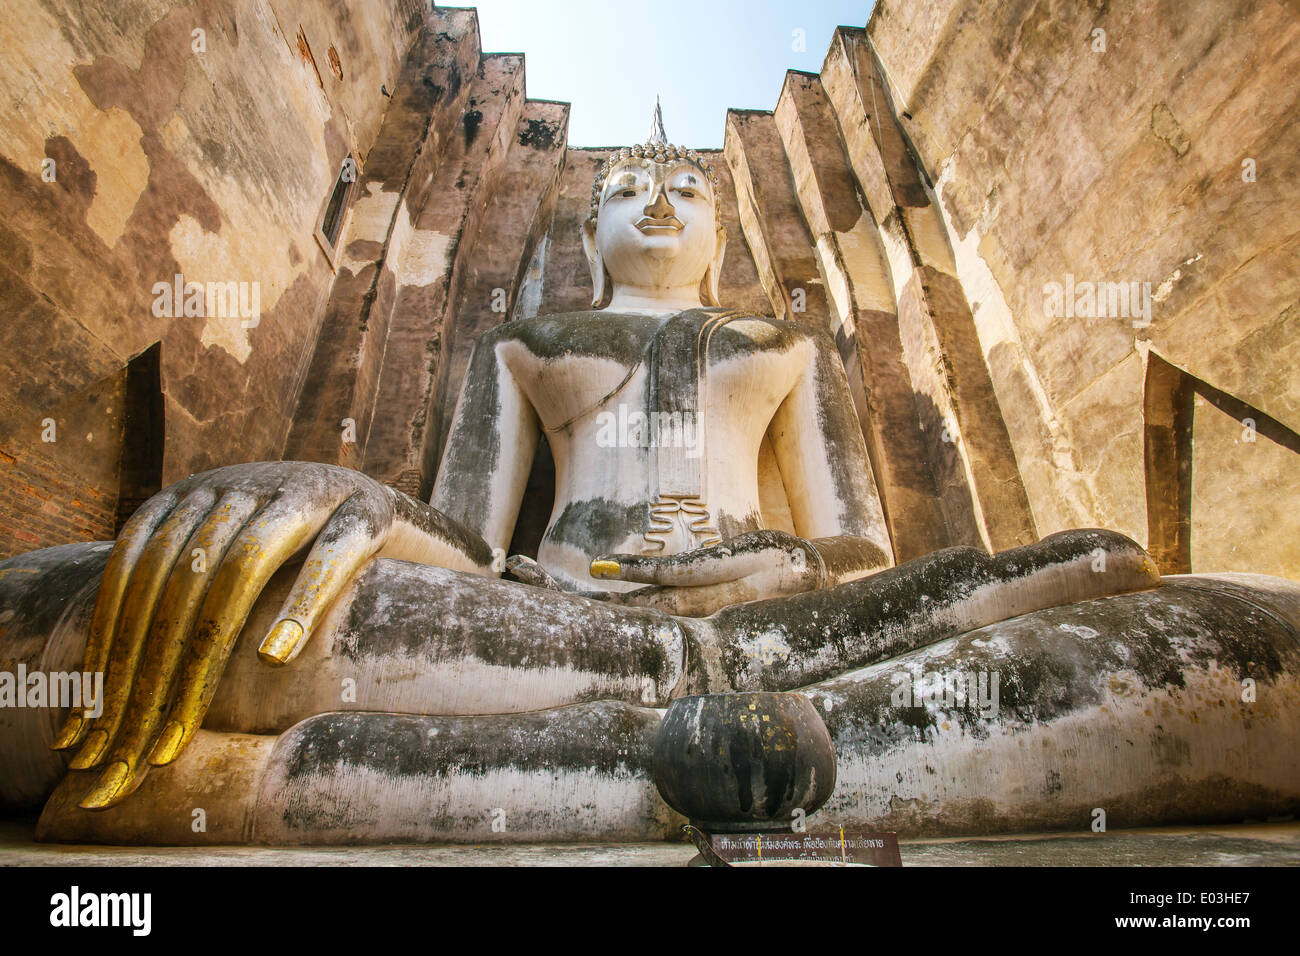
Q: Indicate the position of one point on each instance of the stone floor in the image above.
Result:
(1274, 844)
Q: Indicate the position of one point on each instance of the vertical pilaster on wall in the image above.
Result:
(565, 283)
(1175, 446)
(444, 234)
(852, 263)
(516, 219)
(975, 467)
(770, 217)
(739, 285)
(338, 397)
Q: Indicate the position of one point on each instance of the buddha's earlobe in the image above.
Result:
(714, 273)
(595, 261)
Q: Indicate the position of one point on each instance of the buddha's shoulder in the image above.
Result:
(619, 334)
(592, 325)
(768, 330)
(588, 333)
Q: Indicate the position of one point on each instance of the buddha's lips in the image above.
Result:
(646, 224)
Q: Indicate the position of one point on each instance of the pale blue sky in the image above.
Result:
(610, 58)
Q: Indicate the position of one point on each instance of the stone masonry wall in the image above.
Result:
(132, 149)
(1152, 143)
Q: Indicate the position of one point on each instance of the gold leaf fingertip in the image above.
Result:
(70, 733)
(605, 569)
(90, 751)
(107, 787)
(281, 643)
(169, 744)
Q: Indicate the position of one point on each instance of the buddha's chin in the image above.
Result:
(670, 252)
(660, 243)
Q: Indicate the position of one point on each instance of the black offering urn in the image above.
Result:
(744, 763)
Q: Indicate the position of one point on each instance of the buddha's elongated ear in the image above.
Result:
(595, 261)
(714, 273)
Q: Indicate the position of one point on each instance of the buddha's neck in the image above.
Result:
(653, 301)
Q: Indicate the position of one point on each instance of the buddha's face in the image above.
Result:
(656, 225)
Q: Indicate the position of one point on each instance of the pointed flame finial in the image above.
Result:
(657, 135)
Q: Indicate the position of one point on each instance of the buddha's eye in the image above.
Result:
(628, 193)
(686, 193)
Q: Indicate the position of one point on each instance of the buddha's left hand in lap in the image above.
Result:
(749, 567)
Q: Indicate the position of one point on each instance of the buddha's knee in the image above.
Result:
(46, 601)
(1164, 706)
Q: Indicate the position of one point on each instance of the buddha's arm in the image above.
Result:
(188, 567)
(490, 448)
(822, 457)
(165, 621)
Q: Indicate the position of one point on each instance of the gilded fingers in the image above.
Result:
(108, 603)
(164, 625)
(713, 565)
(752, 566)
(688, 569)
(606, 568)
(355, 532)
(167, 641)
(274, 535)
(282, 642)
(146, 584)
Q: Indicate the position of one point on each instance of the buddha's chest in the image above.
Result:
(726, 376)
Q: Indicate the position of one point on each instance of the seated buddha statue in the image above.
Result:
(349, 664)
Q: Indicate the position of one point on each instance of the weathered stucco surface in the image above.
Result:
(917, 199)
(1150, 160)
(207, 154)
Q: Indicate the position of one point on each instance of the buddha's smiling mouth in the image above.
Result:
(656, 226)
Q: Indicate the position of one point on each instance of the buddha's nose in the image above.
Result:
(659, 206)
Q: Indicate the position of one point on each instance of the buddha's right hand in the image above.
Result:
(185, 572)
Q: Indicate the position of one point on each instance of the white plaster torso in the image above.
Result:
(604, 488)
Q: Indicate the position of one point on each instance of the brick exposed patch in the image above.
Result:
(43, 504)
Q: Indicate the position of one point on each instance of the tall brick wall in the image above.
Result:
(1148, 142)
(132, 149)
